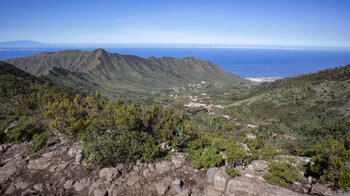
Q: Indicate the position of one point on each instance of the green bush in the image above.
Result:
(329, 162)
(282, 173)
(25, 130)
(232, 172)
(207, 158)
(38, 142)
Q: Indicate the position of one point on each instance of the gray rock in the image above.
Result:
(210, 174)
(252, 186)
(68, 184)
(258, 168)
(146, 173)
(185, 192)
(109, 174)
(220, 180)
(10, 190)
(163, 166)
(178, 160)
(78, 186)
(39, 187)
(211, 191)
(132, 180)
(99, 192)
(320, 189)
(40, 164)
(162, 188)
(297, 187)
(177, 185)
(21, 185)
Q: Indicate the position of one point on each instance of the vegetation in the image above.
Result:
(329, 162)
(291, 117)
(282, 173)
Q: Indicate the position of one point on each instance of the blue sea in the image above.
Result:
(242, 62)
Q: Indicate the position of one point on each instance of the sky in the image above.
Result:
(323, 23)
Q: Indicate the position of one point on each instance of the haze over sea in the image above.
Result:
(242, 62)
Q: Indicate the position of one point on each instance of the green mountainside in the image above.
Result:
(123, 76)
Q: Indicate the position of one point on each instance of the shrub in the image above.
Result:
(38, 142)
(25, 130)
(232, 172)
(207, 158)
(282, 173)
(329, 162)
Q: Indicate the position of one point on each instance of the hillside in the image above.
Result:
(310, 107)
(125, 76)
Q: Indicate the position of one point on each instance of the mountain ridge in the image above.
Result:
(112, 74)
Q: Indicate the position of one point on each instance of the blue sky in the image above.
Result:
(257, 22)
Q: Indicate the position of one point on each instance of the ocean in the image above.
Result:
(254, 63)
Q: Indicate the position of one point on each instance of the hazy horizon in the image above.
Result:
(299, 23)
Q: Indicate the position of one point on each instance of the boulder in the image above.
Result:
(162, 188)
(220, 180)
(40, 164)
(210, 174)
(132, 179)
(21, 185)
(320, 189)
(99, 192)
(163, 166)
(109, 174)
(258, 168)
(68, 184)
(78, 186)
(177, 185)
(211, 191)
(185, 192)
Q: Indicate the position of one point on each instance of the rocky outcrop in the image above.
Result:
(61, 170)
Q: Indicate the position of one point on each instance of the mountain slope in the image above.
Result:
(115, 75)
(313, 107)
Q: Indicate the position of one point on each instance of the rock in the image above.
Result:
(99, 192)
(244, 146)
(252, 186)
(78, 186)
(4, 147)
(9, 170)
(210, 174)
(320, 189)
(162, 188)
(177, 185)
(28, 192)
(297, 187)
(164, 146)
(39, 187)
(163, 166)
(258, 168)
(109, 174)
(10, 190)
(132, 180)
(211, 191)
(146, 173)
(178, 160)
(251, 136)
(12, 125)
(223, 155)
(185, 192)
(21, 185)
(68, 184)
(40, 164)
(220, 179)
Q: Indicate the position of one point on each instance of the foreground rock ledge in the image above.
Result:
(62, 171)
